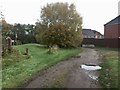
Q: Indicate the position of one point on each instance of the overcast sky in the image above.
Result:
(95, 13)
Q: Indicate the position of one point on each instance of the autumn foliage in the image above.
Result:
(60, 25)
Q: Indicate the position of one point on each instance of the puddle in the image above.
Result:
(93, 77)
(77, 56)
(90, 67)
(91, 70)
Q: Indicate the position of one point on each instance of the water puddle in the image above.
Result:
(77, 56)
(90, 70)
(93, 77)
(90, 67)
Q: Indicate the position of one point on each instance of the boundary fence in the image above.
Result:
(110, 43)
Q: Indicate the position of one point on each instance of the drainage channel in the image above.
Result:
(91, 68)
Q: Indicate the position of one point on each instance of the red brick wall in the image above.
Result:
(112, 31)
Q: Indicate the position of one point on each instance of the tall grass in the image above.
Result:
(109, 72)
(22, 69)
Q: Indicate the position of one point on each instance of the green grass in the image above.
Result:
(20, 69)
(109, 72)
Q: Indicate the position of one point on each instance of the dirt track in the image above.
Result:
(68, 74)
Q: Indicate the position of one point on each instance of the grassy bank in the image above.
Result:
(109, 72)
(19, 68)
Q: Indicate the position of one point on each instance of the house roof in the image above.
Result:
(88, 32)
(113, 21)
(97, 32)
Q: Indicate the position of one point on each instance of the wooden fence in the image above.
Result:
(111, 43)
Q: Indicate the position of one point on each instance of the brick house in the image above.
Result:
(98, 35)
(112, 28)
(88, 33)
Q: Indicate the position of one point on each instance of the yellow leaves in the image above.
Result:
(62, 19)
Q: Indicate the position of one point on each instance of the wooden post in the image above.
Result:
(26, 51)
(9, 44)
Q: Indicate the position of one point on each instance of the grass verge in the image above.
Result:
(109, 72)
(20, 69)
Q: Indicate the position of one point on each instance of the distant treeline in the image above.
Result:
(22, 33)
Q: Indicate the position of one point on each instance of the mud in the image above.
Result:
(68, 74)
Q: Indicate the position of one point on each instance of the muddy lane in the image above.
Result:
(69, 74)
(85, 77)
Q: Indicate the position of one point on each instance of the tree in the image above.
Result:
(59, 24)
(23, 33)
(5, 27)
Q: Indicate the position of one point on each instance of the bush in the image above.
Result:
(18, 42)
(59, 35)
(53, 49)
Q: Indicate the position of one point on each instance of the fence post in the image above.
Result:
(9, 44)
